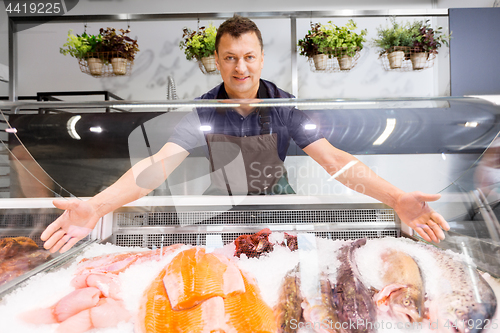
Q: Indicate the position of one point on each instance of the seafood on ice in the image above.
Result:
(323, 288)
(95, 302)
(253, 246)
(203, 292)
(288, 309)
(437, 290)
(463, 300)
(351, 298)
(19, 255)
(403, 294)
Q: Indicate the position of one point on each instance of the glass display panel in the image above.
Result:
(443, 145)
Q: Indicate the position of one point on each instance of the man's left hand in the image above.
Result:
(413, 210)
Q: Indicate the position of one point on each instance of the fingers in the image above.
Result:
(437, 231)
(53, 227)
(422, 233)
(436, 217)
(434, 231)
(433, 228)
(56, 236)
(63, 240)
(429, 232)
(57, 224)
(69, 244)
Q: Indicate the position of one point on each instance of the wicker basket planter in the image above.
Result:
(395, 59)
(418, 60)
(210, 68)
(338, 60)
(111, 64)
(209, 63)
(345, 62)
(95, 66)
(320, 61)
(119, 66)
(412, 59)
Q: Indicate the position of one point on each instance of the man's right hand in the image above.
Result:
(74, 224)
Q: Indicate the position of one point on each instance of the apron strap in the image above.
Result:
(265, 121)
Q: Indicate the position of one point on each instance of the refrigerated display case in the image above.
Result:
(440, 145)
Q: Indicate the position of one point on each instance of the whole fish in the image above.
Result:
(403, 295)
(288, 311)
(319, 313)
(464, 302)
(352, 299)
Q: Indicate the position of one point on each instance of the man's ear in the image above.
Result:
(216, 60)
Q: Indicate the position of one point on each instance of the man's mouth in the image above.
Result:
(241, 78)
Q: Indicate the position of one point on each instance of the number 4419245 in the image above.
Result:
(35, 8)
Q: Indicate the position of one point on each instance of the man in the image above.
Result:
(240, 59)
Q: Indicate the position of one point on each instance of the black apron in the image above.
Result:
(247, 165)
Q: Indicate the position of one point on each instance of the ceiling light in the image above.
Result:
(389, 127)
(71, 126)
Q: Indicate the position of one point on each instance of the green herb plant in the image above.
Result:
(332, 40)
(418, 35)
(199, 43)
(80, 46)
(394, 35)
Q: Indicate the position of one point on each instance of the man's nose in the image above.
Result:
(241, 66)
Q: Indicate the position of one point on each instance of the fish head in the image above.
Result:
(407, 304)
(404, 303)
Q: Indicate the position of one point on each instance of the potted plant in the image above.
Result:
(200, 45)
(314, 46)
(120, 48)
(426, 42)
(327, 41)
(345, 42)
(393, 41)
(82, 47)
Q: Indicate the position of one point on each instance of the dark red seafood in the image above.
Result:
(253, 246)
(19, 255)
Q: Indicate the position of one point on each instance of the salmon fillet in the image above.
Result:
(205, 280)
(194, 276)
(248, 313)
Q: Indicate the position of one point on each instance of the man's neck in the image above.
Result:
(247, 95)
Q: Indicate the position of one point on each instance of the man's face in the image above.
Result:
(240, 61)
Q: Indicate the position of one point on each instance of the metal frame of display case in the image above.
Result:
(291, 15)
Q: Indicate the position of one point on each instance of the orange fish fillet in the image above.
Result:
(194, 276)
(238, 311)
(248, 313)
(157, 316)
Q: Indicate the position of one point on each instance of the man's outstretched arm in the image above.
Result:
(412, 208)
(80, 217)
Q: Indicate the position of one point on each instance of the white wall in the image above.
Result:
(42, 68)
(4, 47)
(225, 6)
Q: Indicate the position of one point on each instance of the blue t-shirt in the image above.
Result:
(287, 122)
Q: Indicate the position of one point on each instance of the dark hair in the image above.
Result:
(236, 26)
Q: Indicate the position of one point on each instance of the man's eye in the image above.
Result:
(250, 57)
(230, 58)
